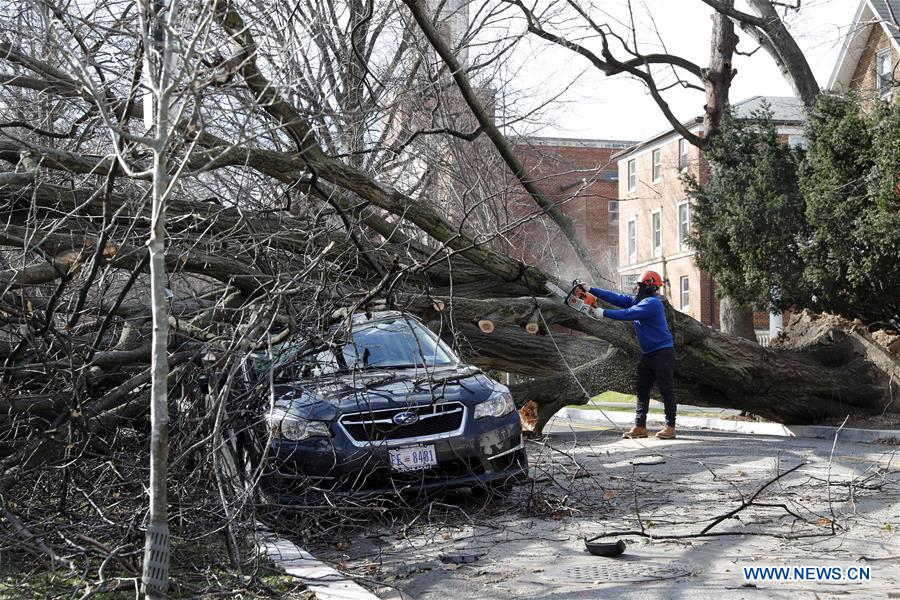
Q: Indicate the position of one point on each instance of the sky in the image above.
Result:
(590, 105)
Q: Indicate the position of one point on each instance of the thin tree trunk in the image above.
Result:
(155, 571)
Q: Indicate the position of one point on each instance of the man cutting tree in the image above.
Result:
(645, 310)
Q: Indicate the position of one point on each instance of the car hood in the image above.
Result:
(326, 398)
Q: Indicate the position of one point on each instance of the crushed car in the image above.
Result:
(379, 405)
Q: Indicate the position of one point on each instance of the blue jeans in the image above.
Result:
(656, 367)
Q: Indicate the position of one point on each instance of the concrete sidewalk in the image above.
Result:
(324, 581)
(621, 419)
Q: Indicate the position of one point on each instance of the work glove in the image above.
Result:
(597, 312)
(583, 287)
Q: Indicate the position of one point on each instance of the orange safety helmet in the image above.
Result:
(651, 278)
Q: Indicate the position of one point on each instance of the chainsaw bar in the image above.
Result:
(572, 301)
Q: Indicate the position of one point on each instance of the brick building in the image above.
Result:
(580, 176)
(869, 62)
(655, 214)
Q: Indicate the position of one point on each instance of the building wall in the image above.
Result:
(863, 82)
(664, 195)
(579, 176)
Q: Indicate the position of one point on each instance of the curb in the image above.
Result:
(867, 436)
(325, 582)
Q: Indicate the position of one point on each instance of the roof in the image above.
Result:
(574, 142)
(889, 11)
(870, 13)
(786, 110)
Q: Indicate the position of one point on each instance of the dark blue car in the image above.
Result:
(382, 406)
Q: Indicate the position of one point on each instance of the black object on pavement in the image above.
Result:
(459, 559)
(605, 549)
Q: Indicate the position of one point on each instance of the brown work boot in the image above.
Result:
(635, 433)
(666, 433)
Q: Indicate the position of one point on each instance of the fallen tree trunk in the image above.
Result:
(830, 368)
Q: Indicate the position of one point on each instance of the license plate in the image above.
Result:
(412, 458)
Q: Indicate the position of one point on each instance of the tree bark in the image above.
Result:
(155, 572)
(735, 319)
(717, 77)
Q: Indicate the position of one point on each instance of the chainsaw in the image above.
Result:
(584, 302)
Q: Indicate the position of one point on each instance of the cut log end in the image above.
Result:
(528, 415)
(532, 328)
(486, 326)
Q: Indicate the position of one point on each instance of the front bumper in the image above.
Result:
(487, 451)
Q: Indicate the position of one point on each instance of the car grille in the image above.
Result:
(378, 425)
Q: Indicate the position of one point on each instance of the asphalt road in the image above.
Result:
(840, 508)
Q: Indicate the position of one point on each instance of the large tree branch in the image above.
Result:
(712, 369)
(313, 159)
(788, 55)
(504, 148)
(770, 32)
(610, 65)
(56, 81)
(73, 252)
(718, 77)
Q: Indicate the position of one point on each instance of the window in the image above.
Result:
(632, 241)
(682, 153)
(685, 292)
(684, 224)
(609, 176)
(655, 233)
(797, 141)
(883, 76)
(613, 211)
(657, 167)
(385, 344)
(631, 174)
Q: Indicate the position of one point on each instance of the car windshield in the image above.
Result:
(389, 344)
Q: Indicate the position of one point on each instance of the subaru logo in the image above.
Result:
(405, 418)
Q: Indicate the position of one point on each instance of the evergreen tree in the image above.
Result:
(780, 228)
(749, 215)
(849, 180)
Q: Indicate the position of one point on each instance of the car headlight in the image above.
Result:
(498, 404)
(296, 429)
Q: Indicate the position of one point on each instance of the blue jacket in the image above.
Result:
(648, 315)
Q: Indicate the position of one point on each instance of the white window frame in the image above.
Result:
(656, 164)
(631, 241)
(656, 249)
(612, 206)
(683, 150)
(631, 174)
(684, 288)
(883, 72)
(682, 241)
